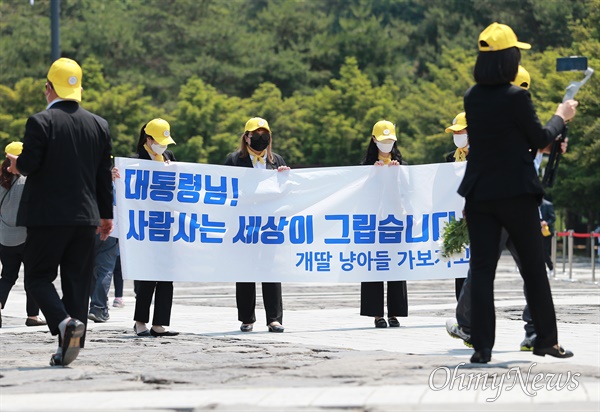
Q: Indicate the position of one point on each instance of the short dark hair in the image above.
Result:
(497, 67)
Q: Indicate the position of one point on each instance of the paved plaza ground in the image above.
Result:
(328, 359)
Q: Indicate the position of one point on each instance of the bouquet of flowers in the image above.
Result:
(454, 239)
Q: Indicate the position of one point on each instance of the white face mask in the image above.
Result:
(158, 148)
(385, 147)
(461, 140)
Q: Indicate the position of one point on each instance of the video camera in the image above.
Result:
(564, 64)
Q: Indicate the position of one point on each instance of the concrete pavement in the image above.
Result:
(327, 359)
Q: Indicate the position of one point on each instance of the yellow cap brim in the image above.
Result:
(455, 128)
(524, 46)
(163, 141)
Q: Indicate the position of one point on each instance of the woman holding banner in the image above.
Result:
(502, 189)
(383, 151)
(255, 151)
(155, 136)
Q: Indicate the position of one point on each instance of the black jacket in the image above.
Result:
(234, 159)
(66, 158)
(503, 126)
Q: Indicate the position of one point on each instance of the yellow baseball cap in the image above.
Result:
(458, 123)
(14, 148)
(256, 123)
(383, 130)
(523, 80)
(65, 75)
(499, 37)
(160, 130)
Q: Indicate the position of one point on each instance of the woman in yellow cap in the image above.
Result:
(382, 151)
(502, 189)
(155, 136)
(256, 151)
(458, 128)
(12, 237)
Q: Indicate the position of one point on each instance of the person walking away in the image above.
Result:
(67, 198)
(501, 188)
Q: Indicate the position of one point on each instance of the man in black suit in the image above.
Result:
(66, 200)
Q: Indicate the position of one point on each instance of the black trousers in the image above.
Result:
(163, 301)
(11, 258)
(72, 249)
(463, 307)
(245, 297)
(118, 278)
(458, 285)
(520, 217)
(371, 299)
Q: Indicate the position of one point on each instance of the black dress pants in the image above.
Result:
(245, 296)
(520, 217)
(463, 307)
(72, 249)
(11, 258)
(163, 301)
(372, 302)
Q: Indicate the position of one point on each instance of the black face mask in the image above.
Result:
(259, 142)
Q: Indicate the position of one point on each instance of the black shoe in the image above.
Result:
(98, 315)
(165, 333)
(247, 327)
(143, 333)
(552, 351)
(482, 356)
(35, 322)
(56, 360)
(276, 327)
(71, 342)
(380, 323)
(393, 322)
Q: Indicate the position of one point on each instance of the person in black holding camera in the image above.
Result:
(502, 189)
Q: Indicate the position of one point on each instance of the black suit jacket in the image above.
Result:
(503, 126)
(67, 160)
(234, 159)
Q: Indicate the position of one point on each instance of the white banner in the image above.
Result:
(207, 223)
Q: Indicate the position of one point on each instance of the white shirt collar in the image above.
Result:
(58, 99)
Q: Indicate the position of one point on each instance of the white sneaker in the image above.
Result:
(455, 331)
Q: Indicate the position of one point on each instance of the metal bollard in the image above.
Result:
(592, 241)
(564, 254)
(570, 254)
(553, 253)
